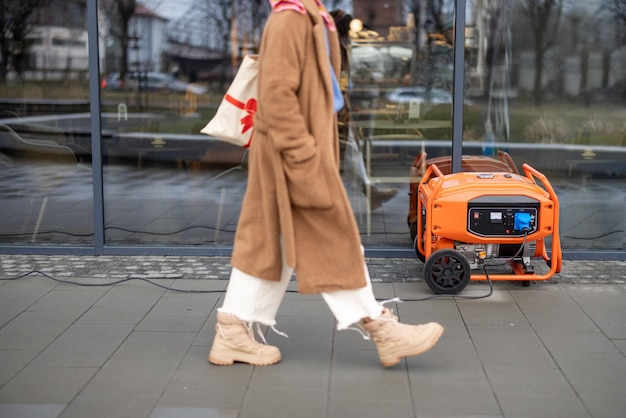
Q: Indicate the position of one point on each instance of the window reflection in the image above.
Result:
(401, 103)
(166, 67)
(544, 83)
(45, 141)
(186, 187)
(549, 81)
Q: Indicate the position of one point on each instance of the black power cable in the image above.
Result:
(143, 279)
(128, 279)
(457, 296)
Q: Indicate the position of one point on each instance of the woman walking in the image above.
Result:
(296, 215)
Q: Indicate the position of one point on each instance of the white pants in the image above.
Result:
(252, 299)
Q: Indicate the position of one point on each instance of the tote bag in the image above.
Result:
(234, 120)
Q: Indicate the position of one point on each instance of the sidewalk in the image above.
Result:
(134, 349)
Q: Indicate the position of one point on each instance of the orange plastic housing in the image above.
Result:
(443, 199)
(475, 163)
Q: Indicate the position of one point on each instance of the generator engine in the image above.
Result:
(476, 254)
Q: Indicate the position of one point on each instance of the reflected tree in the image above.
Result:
(235, 29)
(493, 64)
(433, 30)
(544, 17)
(615, 10)
(494, 12)
(119, 13)
(220, 14)
(251, 19)
(16, 23)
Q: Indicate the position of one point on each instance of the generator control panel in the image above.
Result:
(504, 217)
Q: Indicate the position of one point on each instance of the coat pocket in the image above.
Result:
(308, 185)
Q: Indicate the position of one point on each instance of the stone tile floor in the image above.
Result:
(136, 349)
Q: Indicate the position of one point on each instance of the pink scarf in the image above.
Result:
(297, 6)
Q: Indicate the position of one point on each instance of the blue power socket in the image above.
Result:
(521, 221)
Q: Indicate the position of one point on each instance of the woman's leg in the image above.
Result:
(255, 300)
(358, 309)
(350, 306)
(248, 300)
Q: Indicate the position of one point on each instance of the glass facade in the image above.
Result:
(45, 137)
(121, 165)
(547, 83)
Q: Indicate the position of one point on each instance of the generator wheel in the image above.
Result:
(447, 272)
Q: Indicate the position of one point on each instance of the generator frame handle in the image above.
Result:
(422, 248)
(557, 256)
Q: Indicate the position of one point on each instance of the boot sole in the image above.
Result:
(218, 360)
(223, 354)
(395, 357)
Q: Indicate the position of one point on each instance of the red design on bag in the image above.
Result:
(248, 120)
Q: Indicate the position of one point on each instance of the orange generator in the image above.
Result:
(487, 211)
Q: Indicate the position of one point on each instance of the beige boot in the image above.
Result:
(234, 341)
(395, 340)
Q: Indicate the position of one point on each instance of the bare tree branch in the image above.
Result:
(15, 26)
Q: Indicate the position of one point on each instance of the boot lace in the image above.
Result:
(259, 331)
(358, 326)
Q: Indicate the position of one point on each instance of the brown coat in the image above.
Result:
(294, 188)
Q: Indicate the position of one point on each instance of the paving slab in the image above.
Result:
(136, 349)
(454, 399)
(28, 410)
(46, 385)
(17, 296)
(187, 412)
(35, 330)
(598, 379)
(84, 345)
(270, 402)
(12, 361)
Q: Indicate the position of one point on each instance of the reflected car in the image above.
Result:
(434, 95)
(151, 81)
(406, 94)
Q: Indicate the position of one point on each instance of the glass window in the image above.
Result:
(45, 141)
(545, 84)
(165, 68)
(547, 80)
(400, 110)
